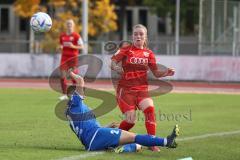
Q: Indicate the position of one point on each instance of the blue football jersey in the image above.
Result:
(81, 118)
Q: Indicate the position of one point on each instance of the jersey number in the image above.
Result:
(114, 132)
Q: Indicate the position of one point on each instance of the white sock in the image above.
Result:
(165, 141)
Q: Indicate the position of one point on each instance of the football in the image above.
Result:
(41, 22)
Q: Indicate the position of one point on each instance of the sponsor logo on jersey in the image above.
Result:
(146, 54)
(137, 60)
(67, 43)
(64, 38)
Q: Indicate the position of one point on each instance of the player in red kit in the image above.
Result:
(70, 43)
(132, 90)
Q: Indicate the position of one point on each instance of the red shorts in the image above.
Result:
(68, 62)
(129, 99)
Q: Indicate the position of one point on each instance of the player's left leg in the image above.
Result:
(73, 64)
(112, 137)
(147, 107)
(148, 140)
(63, 77)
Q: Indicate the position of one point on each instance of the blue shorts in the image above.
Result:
(105, 138)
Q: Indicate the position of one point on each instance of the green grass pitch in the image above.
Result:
(30, 130)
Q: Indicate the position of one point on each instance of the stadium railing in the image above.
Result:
(161, 48)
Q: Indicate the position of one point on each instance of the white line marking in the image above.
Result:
(92, 154)
(209, 135)
(82, 156)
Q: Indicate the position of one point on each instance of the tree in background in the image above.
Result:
(102, 17)
(189, 12)
(122, 4)
(163, 9)
(26, 8)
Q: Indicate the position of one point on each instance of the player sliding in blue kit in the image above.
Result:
(94, 137)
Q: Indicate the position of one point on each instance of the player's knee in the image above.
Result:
(131, 121)
(132, 137)
(145, 103)
(131, 117)
(127, 137)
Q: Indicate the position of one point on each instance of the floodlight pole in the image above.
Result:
(85, 25)
(225, 9)
(177, 27)
(235, 30)
(200, 32)
(212, 25)
(31, 41)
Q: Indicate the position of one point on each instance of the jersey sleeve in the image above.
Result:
(80, 41)
(76, 100)
(152, 62)
(119, 55)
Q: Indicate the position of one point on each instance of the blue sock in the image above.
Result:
(149, 140)
(130, 147)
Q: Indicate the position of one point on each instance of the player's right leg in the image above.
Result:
(126, 103)
(129, 121)
(132, 147)
(148, 140)
(63, 76)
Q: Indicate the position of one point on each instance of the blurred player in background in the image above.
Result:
(94, 137)
(132, 90)
(70, 44)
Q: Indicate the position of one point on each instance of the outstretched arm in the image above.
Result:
(79, 82)
(157, 70)
(159, 73)
(79, 46)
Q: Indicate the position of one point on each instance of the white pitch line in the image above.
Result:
(92, 154)
(82, 156)
(209, 135)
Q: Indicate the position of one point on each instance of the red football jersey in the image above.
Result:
(65, 40)
(135, 64)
